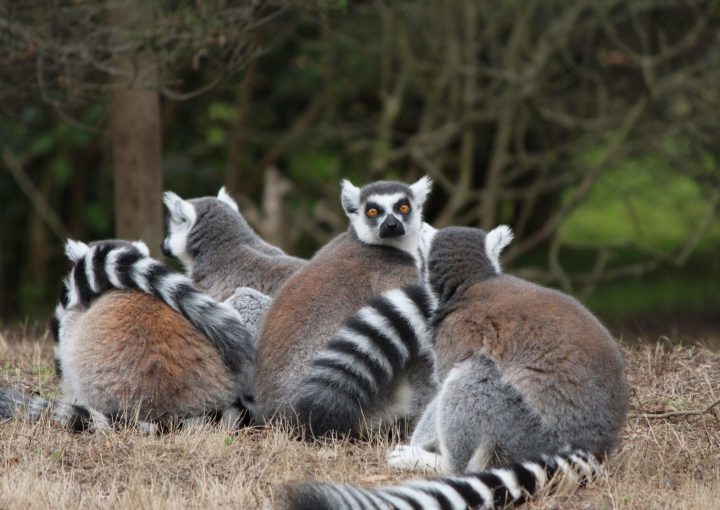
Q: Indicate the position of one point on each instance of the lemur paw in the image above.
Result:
(412, 458)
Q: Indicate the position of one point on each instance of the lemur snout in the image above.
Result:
(391, 227)
(165, 249)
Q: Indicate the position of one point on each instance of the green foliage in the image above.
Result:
(313, 166)
(668, 292)
(641, 202)
(367, 91)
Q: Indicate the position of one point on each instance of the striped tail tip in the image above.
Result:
(327, 417)
(75, 418)
(491, 489)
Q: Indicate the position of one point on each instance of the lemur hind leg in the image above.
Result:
(483, 421)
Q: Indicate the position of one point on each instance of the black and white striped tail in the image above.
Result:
(490, 489)
(364, 356)
(77, 418)
(108, 265)
(72, 417)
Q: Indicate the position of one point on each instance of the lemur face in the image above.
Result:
(388, 213)
(181, 219)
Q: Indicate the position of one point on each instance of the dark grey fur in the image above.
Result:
(228, 254)
(385, 188)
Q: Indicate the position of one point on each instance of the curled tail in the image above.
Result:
(107, 265)
(490, 489)
(363, 357)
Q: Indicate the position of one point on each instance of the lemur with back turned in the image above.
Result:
(138, 343)
(532, 387)
(225, 258)
(219, 250)
(311, 329)
(133, 335)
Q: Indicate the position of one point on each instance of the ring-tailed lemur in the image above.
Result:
(303, 330)
(530, 380)
(107, 265)
(136, 337)
(219, 250)
(211, 235)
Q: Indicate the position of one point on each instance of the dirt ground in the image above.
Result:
(669, 458)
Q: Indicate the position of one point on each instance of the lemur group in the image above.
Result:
(507, 387)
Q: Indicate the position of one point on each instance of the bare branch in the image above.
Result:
(674, 414)
(49, 216)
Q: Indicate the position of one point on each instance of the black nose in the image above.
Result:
(166, 250)
(391, 227)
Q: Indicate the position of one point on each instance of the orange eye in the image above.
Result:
(372, 212)
(404, 209)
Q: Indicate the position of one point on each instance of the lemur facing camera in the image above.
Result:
(310, 329)
(219, 250)
(531, 380)
(137, 342)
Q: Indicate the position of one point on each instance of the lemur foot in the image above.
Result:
(412, 458)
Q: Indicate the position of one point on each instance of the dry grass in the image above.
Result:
(663, 463)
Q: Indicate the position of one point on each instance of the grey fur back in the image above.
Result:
(228, 254)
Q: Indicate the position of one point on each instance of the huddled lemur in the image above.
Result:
(137, 341)
(225, 257)
(315, 337)
(530, 380)
(219, 250)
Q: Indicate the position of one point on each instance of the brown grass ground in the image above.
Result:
(664, 463)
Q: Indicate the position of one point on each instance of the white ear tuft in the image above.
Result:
(140, 245)
(224, 196)
(495, 241)
(421, 189)
(170, 198)
(178, 208)
(75, 250)
(350, 197)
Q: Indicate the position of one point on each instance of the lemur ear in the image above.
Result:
(421, 189)
(142, 247)
(495, 241)
(169, 199)
(350, 197)
(224, 196)
(178, 208)
(75, 250)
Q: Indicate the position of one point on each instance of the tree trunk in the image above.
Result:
(136, 129)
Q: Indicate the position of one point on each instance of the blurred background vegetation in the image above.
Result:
(591, 127)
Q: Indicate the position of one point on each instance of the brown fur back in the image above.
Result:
(131, 350)
(545, 343)
(314, 303)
